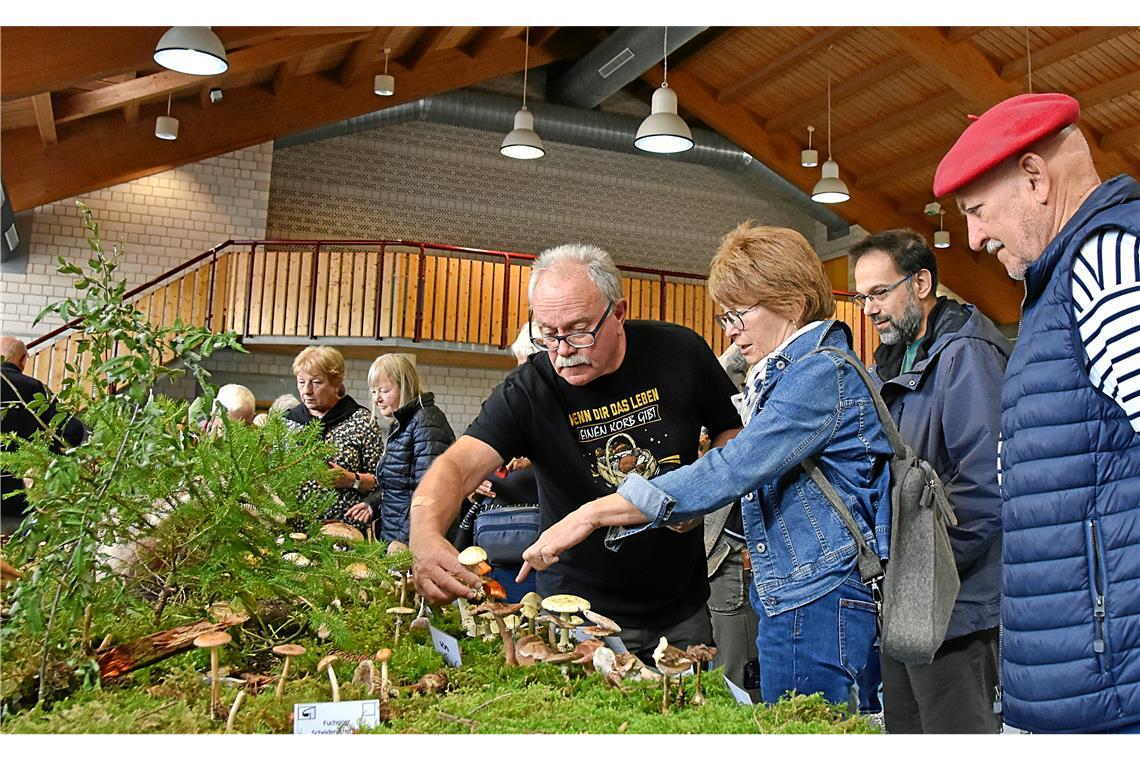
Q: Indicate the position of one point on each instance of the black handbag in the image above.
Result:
(504, 531)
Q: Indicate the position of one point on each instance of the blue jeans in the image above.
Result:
(820, 646)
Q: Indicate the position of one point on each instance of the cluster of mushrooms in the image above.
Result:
(521, 627)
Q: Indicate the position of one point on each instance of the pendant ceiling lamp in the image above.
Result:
(166, 127)
(191, 50)
(384, 84)
(663, 130)
(830, 189)
(942, 237)
(809, 157)
(523, 142)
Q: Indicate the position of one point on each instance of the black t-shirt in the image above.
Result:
(645, 417)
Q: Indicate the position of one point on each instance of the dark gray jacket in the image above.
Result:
(948, 407)
(419, 434)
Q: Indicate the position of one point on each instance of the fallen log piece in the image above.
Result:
(120, 660)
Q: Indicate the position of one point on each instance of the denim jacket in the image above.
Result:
(809, 405)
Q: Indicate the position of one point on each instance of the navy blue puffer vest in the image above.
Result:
(1070, 480)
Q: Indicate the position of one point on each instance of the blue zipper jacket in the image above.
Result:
(419, 434)
(1070, 481)
(948, 408)
(809, 405)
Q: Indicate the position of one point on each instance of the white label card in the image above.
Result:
(447, 646)
(740, 694)
(335, 717)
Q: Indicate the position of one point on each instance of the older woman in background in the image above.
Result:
(418, 434)
(344, 423)
(817, 619)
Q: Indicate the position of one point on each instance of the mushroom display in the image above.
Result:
(288, 651)
(342, 532)
(382, 657)
(531, 606)
(400, 613)
(365, 674)
(359, 571)
(565, 606)
(700, 653)
(214, 641)
(531, 649)
(326, 663)
(498, 611)
(671, 661)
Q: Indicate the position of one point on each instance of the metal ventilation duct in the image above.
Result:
(575, 126)
(618, 60)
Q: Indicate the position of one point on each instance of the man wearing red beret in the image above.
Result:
(1069, 454)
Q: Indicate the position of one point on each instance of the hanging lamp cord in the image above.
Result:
(665, 58)
(829, 48)
(526, 64)
(1029, 60)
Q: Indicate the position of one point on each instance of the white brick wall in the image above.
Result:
(158, 222)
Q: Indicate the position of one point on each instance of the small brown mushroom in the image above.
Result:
(342, 532)
(213, 641)
(326, 663)
(531, 649)
(700, 653)
(498, 611)
(601, 621)
(400, 613)
(671, 661)
(382, 657)
(360, 571)
(584, 653)
(287, 651)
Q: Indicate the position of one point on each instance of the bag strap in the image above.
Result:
(885, 418)
(870, 566)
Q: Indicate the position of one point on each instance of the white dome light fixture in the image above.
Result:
(830, 189)
(942, 237)
(191, 50)
(809, 157)
(523, 142)
(166, 127)
(663, 130)
(384, 84)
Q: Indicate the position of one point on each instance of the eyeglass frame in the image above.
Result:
(540, 342)
(861, 299)
(733, 318)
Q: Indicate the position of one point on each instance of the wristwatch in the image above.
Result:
(356, 481)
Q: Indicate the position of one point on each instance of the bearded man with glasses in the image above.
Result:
(606, 397)
(939, 369)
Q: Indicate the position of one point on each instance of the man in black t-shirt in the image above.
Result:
(607, 397)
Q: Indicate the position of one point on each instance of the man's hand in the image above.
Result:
(567, 533)
(438, 575)
(485, 489)
(360, 512)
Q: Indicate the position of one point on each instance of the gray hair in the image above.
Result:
(238, 399)
(599, 266)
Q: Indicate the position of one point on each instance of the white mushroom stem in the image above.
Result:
(464, 615)
(281, 681)
(396, 638)
(335, 685)
(564, 640)
(403, 588)
(234, 711)
(665, 692)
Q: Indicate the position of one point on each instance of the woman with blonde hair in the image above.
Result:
(817, 618)
(419, 432)
(343, 422)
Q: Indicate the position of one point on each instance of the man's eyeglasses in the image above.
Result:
(877, 295)
(733, 318)
(574, 340)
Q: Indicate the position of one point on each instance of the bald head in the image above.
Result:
(13, 350)
(238, 401)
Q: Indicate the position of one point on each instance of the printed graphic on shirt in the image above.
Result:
(607, 433)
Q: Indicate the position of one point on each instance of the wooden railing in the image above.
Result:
(375, 290)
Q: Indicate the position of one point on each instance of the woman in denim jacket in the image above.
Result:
(817, 619)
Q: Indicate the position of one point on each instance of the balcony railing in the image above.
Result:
(383, 290)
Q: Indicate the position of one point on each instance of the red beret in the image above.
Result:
(1003, 131)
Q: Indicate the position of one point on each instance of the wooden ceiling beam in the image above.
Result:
(895, 121)
(165, 82)
(361, 55)
(131, 112)
(284, 72)
(426, 43)
(981, 279)
(542, 35)
(482, 39)
(962, 33)
(45, 119)
(100, 152)
(1060, 50)
(902, 166)
(1113, 88)
(964, 69)
(780, 64)
(799, 116)
(83, 54)
(1126, 139)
